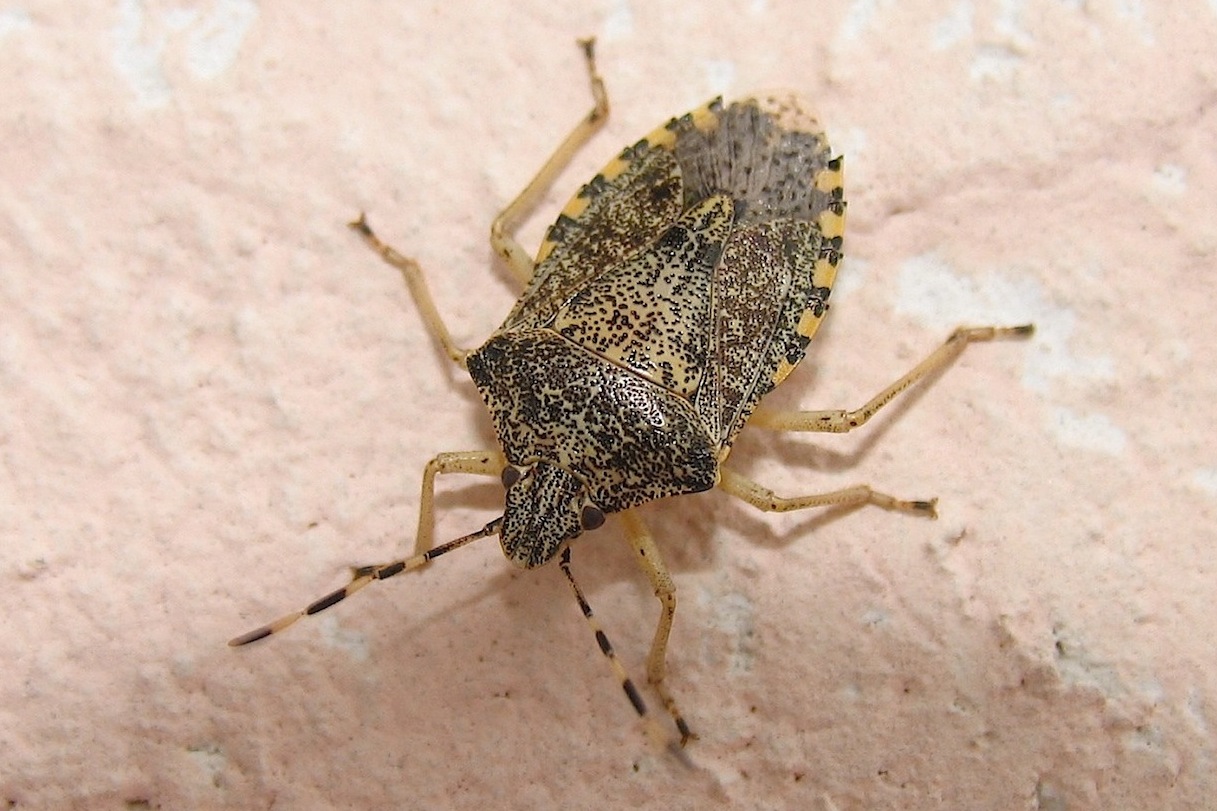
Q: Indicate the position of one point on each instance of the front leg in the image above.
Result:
(477, 463)
(651, 562)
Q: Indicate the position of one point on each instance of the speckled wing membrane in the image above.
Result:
(701, 257)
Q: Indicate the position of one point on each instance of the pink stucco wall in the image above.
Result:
(213, 399)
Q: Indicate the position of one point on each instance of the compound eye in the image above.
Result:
(509, 476)
(592, 517)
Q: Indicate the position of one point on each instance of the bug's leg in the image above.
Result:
(362, 576)
(606, 647)
(765, 499)
(651, 563)
(413, 274)
(839, 421)
(477, 463)
(502, 230)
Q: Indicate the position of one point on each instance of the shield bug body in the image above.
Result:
(676, 289)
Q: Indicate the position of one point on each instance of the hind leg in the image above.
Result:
(502, 230)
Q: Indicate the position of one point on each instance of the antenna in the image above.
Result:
(364, 575)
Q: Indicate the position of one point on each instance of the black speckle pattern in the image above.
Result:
(626, 438)
(677, 288)
(639, 314)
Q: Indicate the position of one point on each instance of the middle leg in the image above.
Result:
(839, 421)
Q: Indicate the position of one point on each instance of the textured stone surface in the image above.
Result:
(213, 398)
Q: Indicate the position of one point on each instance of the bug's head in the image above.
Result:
(546, 507)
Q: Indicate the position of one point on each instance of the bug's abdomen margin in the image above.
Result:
(771, 287)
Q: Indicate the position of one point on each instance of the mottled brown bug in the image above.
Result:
(673, 292)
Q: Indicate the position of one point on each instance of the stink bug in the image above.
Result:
(676, 289)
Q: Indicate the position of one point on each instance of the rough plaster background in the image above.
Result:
(213, 399)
